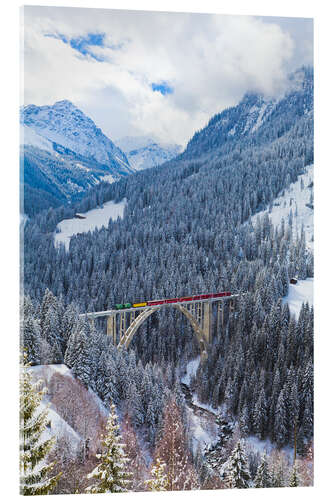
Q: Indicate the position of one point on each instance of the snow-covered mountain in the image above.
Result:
(64, 124)
(256, 120)
(146, 152)
(63, 154)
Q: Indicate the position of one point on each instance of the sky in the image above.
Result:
(156, 73)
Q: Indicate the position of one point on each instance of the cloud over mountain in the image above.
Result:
(155, 73)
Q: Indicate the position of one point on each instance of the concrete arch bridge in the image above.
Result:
(123, 324)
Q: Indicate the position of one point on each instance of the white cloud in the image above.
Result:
(209, 60)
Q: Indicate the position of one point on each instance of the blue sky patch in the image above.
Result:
(163, 87)
(84, 44)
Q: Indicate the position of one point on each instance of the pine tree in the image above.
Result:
(260, 415)
(159, 480)
(34, 450)
(263, 477)
(244, 421)
(236, 472)
(30, 333)
(81, 367)
(111, 474)
(280, 424)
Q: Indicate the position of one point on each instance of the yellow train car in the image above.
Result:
(139, 304)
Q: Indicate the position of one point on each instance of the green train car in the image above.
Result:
(128, 305)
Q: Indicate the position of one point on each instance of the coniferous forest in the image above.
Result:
(188, 228)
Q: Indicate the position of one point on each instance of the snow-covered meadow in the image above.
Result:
(94, 219)
(295, 200)
(299, 293)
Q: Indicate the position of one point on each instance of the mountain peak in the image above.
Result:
(147, 151)
(65, 103)
(66, 125)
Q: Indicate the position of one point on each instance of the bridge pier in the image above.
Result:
(220, 315)
(111, 328)
(207, 321)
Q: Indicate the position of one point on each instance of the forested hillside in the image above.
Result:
(187, 229)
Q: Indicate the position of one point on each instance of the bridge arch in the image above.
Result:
(125, 340)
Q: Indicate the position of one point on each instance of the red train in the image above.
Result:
(188, 299)
(129, 305)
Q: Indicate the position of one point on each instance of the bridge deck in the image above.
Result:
(110, 312)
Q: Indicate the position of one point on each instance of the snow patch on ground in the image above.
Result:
(95, 219)
(299, 293)
(260, 118)
(45, 372)
(82, 167)
(203, 405)
(191, 370)
(203, 433)
(295, 200)
(108, 178)
(60, 428)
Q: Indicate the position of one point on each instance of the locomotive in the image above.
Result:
(129, 305)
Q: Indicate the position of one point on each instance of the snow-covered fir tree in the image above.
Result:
(111, 475)
(35, 472)
(263, 477)
(281, 423)
(30, 338)
(158, 480)
(236, 472)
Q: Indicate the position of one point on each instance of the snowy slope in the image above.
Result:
(96, 218)
(295, 201)
(59, 427)
(146, 152)
(30, 137)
